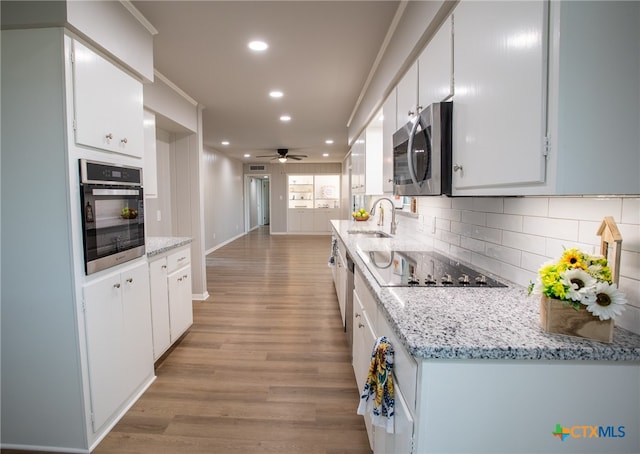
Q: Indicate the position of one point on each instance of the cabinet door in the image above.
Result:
(500, 85)
(108, 105)
(401, 441)
(435, 68)
(137, 358)
(180, 307)
(159, 306)
(106, 344)
(389, 127)
(407, 92)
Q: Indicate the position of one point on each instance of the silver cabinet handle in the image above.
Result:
(357, 315)
(123, 141)
(116, 285)
(184, 277)
(129, 280)
(457, 167)
(360, 325)
(164, 267)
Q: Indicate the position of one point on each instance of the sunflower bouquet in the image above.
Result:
(579, 279)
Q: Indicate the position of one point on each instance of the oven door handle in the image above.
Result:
(410, 153)
(98, 192)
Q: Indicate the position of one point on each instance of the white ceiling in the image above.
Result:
(320, 55)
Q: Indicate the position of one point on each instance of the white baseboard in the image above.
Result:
(199, 296)
(224, 243)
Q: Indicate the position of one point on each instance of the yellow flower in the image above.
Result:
(573, 258)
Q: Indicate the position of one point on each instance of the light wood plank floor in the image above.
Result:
(265, 367)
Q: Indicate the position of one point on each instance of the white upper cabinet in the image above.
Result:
(389, 127)
(499, 103)
(407, 92)
(435, 67)
(594, 107)
(108, 108)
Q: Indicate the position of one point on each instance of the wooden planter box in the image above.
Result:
(559, 318)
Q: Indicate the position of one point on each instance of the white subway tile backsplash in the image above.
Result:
(488, 204)
(630, 237)
(472, 244)
(562, 229)
(513, 236)
(587, 209)
(509, 222)
(504, 254)
(630, 264)
(524, 242)
(555, 247)
(462, 203)
(531, 206)
(631, 210)
(630, 319)
(474, 217)
(588, 232)
(533, 262)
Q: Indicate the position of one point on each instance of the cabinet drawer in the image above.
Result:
(405, 368)
(369, 302)
(178, 259)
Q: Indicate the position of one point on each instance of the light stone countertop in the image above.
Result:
(472, 323)
(156, 245)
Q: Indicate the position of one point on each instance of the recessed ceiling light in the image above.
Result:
(276, 94)
(258, 46)
(328, 142)
(325, 155)
(247, 155)
(225, 142)
(285, 118)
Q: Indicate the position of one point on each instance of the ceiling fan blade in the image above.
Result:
(294, 157)
(297, 156)
(269, 156)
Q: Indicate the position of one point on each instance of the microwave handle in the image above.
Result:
(412, 170)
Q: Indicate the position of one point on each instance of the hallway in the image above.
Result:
(265, 367)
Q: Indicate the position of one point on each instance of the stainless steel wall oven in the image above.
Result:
(112, 214)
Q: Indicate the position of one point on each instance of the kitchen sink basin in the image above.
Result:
(369, 233)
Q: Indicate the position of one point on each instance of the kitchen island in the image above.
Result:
(475, 372)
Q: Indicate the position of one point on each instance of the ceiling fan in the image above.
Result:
(283, 155)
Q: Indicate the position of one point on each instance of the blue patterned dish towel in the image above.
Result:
(377, 395)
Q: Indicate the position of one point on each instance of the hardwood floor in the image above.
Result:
(265, 367)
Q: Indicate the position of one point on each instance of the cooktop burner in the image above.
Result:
(422, 269)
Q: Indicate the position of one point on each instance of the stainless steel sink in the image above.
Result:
(369, 233)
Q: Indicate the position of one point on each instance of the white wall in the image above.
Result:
(162, 203)
(223, 199)
(513, 236)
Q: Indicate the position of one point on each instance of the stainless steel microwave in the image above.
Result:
(422, 153)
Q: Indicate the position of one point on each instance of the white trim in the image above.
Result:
(174, 87)
(120, 414)
(139, 16)
(224, 243)
(200, 296)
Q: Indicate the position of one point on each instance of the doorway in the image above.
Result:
(257, 202)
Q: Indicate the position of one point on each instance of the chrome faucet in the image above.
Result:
(394, 223)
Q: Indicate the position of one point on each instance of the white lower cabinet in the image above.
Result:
(118, 336)
(171, 304)
(368, 325)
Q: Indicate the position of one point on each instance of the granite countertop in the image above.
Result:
(473, 323)
(156, 245)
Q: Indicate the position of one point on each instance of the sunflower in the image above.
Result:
(579, 285)
(573, 258)
(609, 301)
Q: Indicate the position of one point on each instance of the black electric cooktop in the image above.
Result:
(423, 269)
